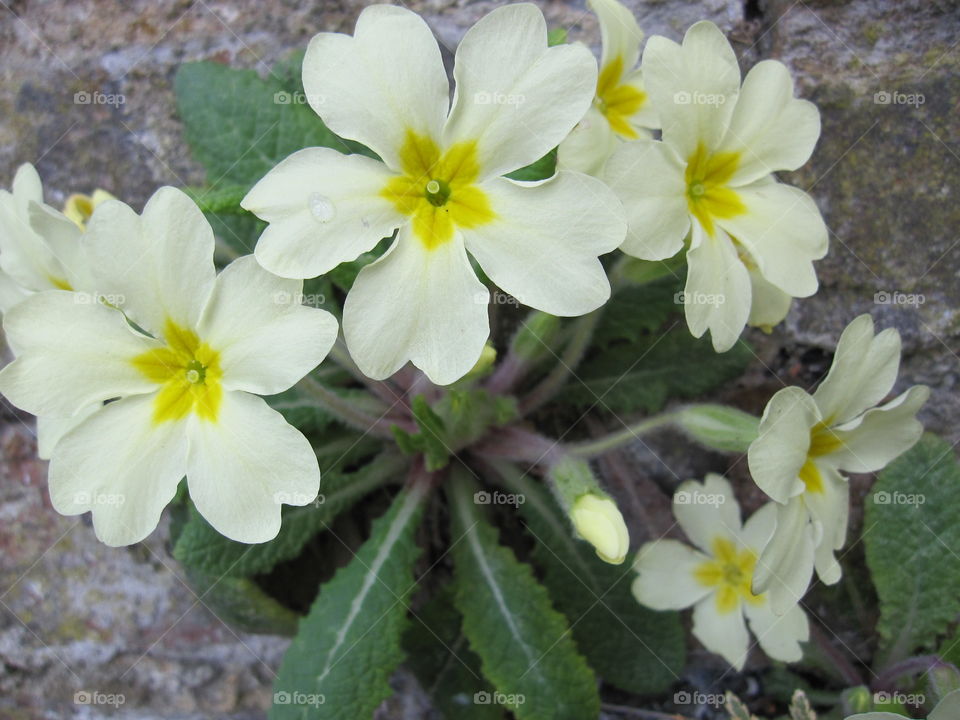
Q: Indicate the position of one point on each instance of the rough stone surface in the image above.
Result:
(77, 616)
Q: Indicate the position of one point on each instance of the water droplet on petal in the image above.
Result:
(321, 207)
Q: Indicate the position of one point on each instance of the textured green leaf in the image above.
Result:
(339, 663)
(638, 310)
(524, 644)
(629, 646)
(202, 548)
(443, 662)
(645, 374)
(912, 541)
(242, 604)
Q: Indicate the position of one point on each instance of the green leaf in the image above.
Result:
(242, 604)
(224, 199)
(638, 310)
(556, 36)
(524, 644)
(912, 541)
(542, 169)
(429, 441)
(240, 126)
(645, 374)
(441, 659)
(629, 646)
(339, 663)
(202, 548)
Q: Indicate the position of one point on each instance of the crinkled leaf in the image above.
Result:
(638, 310)
(242, 604)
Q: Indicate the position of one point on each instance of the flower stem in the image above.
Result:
(617, 440)
(382, 389)
(346, 411)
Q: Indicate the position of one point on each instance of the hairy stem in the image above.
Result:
(345, 410)
(620, 438)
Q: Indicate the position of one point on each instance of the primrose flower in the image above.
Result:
(621, 109)
(80, 207)
(440, 183)
(804, 443)
(598, 521)
(947, 709)
(715, 578)
(177, 401)
(707, 186)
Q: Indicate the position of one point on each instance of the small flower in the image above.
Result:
(598, 521)
(947, 709)
(440, 183)
(707, 186)
(715, 579)
(621, 109)
(805, 442)
(181, 399)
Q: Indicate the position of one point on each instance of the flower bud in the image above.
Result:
(598, 520)
(80, 207)
(719, 427)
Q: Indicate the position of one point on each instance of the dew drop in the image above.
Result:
(321, 207)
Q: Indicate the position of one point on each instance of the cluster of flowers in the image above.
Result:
(143, 365)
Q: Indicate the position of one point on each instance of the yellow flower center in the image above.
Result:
(189, 373)
(438, 190)
(708, 196)
(618, 102)
(823, 441)
(730, 573)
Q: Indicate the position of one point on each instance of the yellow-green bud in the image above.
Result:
(599, 522)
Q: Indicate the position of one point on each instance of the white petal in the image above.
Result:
(779, 635)
(241, 468)
(785, 566)
(769, 305)
(27, 187)
(267, 340)
(63, 237)
(121, 466)
(425, 306)
(588, 146)
(324, 208)
(881, 434)
(723, 633)
(620, 35)
(829, 509)
(948, 708)
(648, 178)
(70, 355)
(694, 86)
(717, 293)
(10, 292)
(515, 97)
(784, 233)
(24, 254)
(667, 580)
(780, 450)
(544, 244)
(160, 265)
(707, 511)
(770, 128)
(384, 81)
(863, 371)
(51, 429)
(759, 528)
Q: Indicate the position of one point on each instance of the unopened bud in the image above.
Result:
(719, 427)
(598, 520)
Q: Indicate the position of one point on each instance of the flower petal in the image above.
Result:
(159, 265)
(863, 371)
(544, 244)
(785, 566)
(694, 86)
(769, 305)
(667, 580)
(51, 429)
(881, 434)
(24, 254)
(759, 528)
(779, 635)
(241, 468)
(829, 506)
(620, 34)
(422, 305)
(515, 97)
(63, 237)
(121, 466)
(717, 293)
(648, 179)
(10, 292)
(784, 233)
(324, 208)
(588, 146)
(707, 511)
(948, 708)
(723, 633)
(70, 355)
(386, 80)
(267, 340)
(770, 128)
(780, 451)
